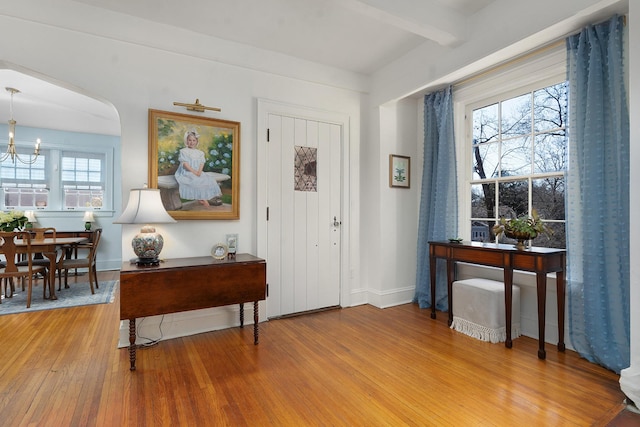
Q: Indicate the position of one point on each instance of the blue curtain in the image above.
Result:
(439, 198)
(597, 195)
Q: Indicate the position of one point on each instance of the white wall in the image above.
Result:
(389, 215)
(370, 243)
(393, 278)
(135, 78)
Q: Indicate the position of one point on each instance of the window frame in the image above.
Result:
(545, 68)
(28, 184)
(89, 155)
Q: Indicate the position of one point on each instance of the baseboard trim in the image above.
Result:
(182, 324)
(302, 313)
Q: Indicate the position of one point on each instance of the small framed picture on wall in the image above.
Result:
(399, 171)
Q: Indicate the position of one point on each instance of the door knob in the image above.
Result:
(336, 223)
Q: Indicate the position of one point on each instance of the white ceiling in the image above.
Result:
(354, 35)
(360, 36)
(48, 105)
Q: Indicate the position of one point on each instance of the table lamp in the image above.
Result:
(88, 219)
(31, 218)
(145, 207)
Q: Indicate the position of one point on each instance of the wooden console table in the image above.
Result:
(539, 260)
(183, 284)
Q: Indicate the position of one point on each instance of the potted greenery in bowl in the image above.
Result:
(522, 228)
(13, 220)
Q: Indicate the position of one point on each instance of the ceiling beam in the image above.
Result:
(426, 18)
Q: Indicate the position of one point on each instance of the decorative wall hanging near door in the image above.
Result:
(305, 169)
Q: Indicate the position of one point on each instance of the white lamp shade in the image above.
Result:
(144, 207)
(31, 216)
(88, 216)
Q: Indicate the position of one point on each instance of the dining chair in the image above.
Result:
(9, 247)
(6, 282)
(73, 249)
(42, 232)
(38, 258)
(88, 262)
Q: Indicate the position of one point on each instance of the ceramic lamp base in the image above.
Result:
(147, 245)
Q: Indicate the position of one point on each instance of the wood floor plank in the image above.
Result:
(345, 367)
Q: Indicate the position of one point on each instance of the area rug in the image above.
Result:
(77, 294)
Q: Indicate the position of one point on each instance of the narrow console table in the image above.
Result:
(539, 260)
(183, 284)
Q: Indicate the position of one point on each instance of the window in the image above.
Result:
(510, 127)
(25, 185)
(518, 156)
(83, 180)
(61, 179)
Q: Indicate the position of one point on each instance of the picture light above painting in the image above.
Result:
(195, 163)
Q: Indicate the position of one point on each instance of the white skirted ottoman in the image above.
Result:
(478, 309)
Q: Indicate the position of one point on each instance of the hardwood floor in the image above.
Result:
(345, 367)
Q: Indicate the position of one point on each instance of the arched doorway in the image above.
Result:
(70, 123)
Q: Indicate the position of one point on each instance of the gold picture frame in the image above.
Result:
(215, 192)
(399, 171)
(219, 251)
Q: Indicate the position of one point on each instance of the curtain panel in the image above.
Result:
(438, 218)
(597, 196)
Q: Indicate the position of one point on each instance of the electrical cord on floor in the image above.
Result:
(150, 342)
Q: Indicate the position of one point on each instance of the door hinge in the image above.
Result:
(267, 134)
(267, 213)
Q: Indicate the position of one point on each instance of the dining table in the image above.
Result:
(48, 247)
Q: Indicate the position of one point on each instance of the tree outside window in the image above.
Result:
(519, 156)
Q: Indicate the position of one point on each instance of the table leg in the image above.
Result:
(541, 286)
(255, 322)
(451, 275)
(508, 301)
(132, 344)
(432, 273)
(560, 289)
(51, 256)
(242, 315)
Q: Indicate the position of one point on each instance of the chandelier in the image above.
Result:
(11, 149)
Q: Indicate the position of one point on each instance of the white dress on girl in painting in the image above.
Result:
(192, 186)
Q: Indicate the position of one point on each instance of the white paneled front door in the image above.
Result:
(303, 196)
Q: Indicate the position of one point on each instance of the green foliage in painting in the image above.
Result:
(215, 142)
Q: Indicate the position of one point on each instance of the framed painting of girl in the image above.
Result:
(195, 163)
